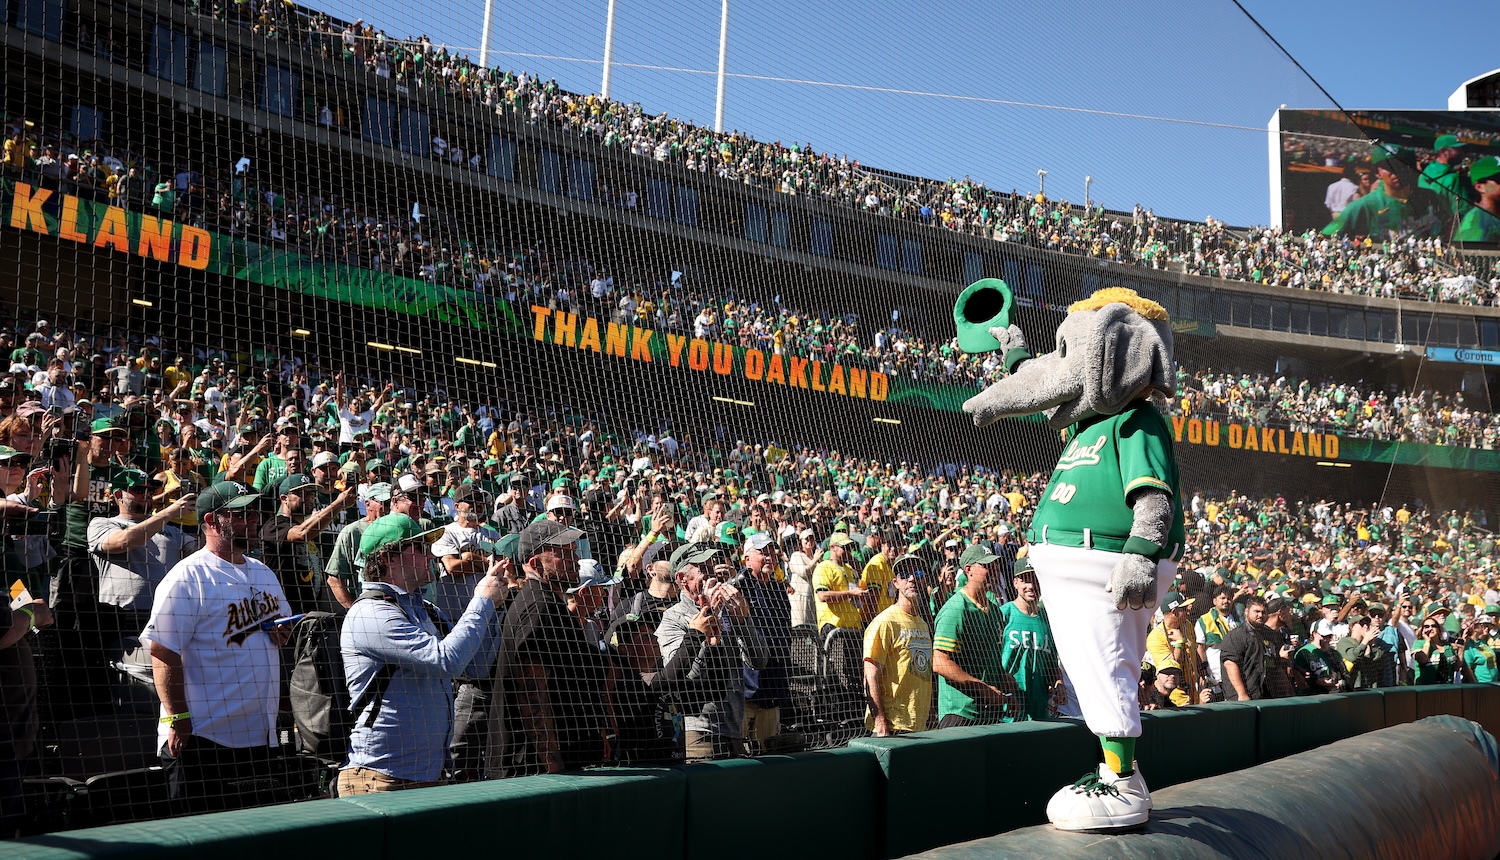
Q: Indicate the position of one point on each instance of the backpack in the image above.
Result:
(319, 692)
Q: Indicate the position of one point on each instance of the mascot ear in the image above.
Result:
(1128, 354)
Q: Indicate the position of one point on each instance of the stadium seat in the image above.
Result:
(104, 744)
(803, 679)
(122, 797)
(840, 707)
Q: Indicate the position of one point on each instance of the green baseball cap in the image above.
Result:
(510, 547)
(292, 483)
(977, 553)
(1383, 151)
(389, 531)
(226, 496)
(1446, 141)
(8, 453)
(103, 426)
(729, 533)
(691, 553)
(129, 479)
(983, 305)
(1484, 168)
(1330, 600)
(1176, 600)
(380, 492)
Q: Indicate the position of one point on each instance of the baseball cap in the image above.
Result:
(226, 496)
(380, 492)
(1176, 600)
(691, 553)
(469, 493)
(910, 565)
(406, 482)
(389, 531)
(561, 501)
(292, 483)
(1330, 600)
(509, 547)
(807, 533)
(8, 453)
(127, 479)
(951, 543)
(729, 534)
(1484, 168)
(1446, 141)
(546, 533)
(1356, 618)
(839, 539)
(1383, 151)
(977, 553)
(324, 459)
(106, 426)
(759, 541)
(983, 305)
(591, 575)
(1168, 665)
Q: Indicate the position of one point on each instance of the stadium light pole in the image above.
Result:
(1041, 180)
(723, 50)
(484, 37)
(1087, 181)
(609, 46)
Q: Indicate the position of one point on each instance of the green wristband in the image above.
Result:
(1014, 357)
(1136, 545)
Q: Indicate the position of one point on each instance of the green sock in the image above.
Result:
(1119, 754)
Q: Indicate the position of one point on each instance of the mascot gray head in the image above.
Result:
(1114, 347)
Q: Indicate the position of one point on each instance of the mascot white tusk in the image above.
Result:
(1108, 531)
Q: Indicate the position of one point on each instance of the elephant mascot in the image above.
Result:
(1107, 533)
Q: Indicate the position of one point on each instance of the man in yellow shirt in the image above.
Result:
(898, 657)
(878, 576)
(841, 603)
(837, 588)
(1173, 639)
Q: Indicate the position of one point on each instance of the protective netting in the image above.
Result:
(281, 279)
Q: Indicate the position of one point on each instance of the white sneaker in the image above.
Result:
(1101, 801)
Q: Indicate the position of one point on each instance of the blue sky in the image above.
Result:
(1199, 61)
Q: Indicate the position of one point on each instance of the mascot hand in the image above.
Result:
(1010, 338)
(1133, 583)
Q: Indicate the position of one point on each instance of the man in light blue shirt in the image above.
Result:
(400, 664)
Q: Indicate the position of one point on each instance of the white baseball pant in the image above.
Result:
(1100, 647)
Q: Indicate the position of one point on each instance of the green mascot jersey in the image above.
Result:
(1108, 457)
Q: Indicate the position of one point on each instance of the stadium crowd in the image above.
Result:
(329, 228)
(604, 590)
(1409, 267)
